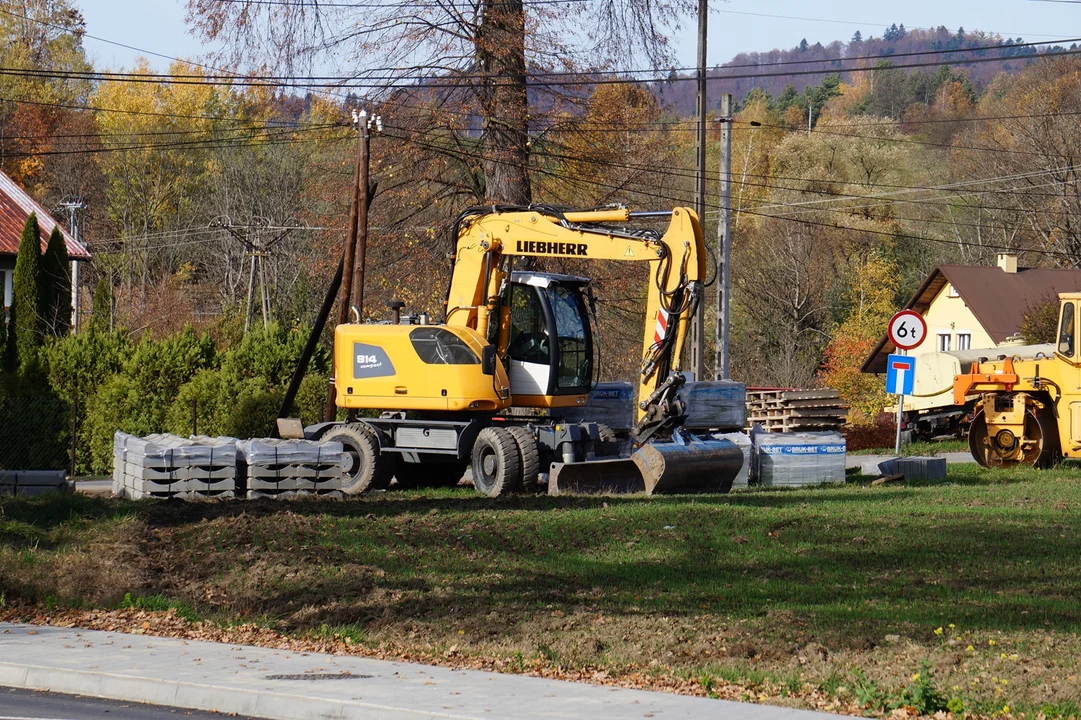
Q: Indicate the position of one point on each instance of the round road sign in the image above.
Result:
(907, 329)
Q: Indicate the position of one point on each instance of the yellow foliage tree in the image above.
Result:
(872, 295)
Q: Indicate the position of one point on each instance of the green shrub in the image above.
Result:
(311, 398)
(254, 413)
(272, 354)
(76, 364)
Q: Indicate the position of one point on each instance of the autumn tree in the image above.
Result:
(40, 42)
(101, 312)
(1039, 321)
(871, 297)
(477, 55)
(1026, 152)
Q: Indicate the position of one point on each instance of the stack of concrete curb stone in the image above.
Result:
(33, 482)
(169, 466)
(283, 469)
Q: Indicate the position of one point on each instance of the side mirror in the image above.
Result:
(487, 360)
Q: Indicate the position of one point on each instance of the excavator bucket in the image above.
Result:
(614, 475)
(699, 466)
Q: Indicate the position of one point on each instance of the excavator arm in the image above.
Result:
(490, 239)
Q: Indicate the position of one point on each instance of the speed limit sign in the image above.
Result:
(907, 329)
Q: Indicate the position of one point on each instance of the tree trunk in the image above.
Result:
(501, 56)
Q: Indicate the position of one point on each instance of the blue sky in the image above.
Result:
(158, 25)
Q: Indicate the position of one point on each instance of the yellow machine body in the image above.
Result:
(415, 367)
(1029, 410)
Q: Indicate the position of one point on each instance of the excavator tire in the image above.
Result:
(428, 474)
(1039, 427)
(370, 469)
(529, 455)
(609, 445)
(497, 467)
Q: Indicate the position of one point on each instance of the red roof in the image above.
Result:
(15, 208)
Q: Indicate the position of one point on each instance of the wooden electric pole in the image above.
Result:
(724, 242)
(698, 324)
(345, 294)
(351, 294)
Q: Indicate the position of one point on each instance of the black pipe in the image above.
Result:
(309, 347)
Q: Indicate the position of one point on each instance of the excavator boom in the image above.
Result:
(489, 241)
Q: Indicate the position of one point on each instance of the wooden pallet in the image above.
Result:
(792, 410)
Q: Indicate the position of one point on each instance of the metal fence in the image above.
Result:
(36, 432)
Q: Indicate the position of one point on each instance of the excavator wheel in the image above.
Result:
(369, 469)
(1040, 429)
(497, 467)
(609, 444)
(529, 455)
(428, 474)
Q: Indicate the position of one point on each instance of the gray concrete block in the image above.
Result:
(871, 469)
(921, 468)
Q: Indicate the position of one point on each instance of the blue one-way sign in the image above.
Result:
(900, 374)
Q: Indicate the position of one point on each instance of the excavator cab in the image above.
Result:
(549, 355)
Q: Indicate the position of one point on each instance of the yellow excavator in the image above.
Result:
(486, 387)
(1028, 409)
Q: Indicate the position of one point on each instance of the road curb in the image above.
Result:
(293, 685)
(262, 704)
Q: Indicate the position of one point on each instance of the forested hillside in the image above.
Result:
(914, 157)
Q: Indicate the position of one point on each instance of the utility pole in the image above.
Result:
(73, 207)
(724, 243)
(365, 125)
(356, 244)
(258, 249)
(698, 324)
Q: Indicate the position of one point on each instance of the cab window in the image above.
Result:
(528, 327)
(574, 361)
(1066, 330)
(436, 346)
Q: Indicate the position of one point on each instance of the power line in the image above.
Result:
(669, 198)
(567, 78)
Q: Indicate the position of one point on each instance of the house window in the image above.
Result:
(943, 342)
(953, 291)
(5, 285)
(964, 341)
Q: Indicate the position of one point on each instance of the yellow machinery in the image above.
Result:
(1029, 410)
(453, 393)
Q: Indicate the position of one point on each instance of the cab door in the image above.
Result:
(529, 350)
(1066, 349)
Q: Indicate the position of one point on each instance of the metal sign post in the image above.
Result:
(900, 417)
(906, 330)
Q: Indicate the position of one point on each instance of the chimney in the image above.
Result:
(1008, 263)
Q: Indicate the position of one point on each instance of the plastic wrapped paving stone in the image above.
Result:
(743, 442)
(796, 459)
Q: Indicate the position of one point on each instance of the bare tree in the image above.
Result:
(471, 59)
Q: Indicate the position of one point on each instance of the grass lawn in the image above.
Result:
(851, 598)
(921, 447)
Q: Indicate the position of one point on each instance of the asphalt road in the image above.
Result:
(32, 705)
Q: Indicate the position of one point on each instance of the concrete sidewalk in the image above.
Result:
(286, 685)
